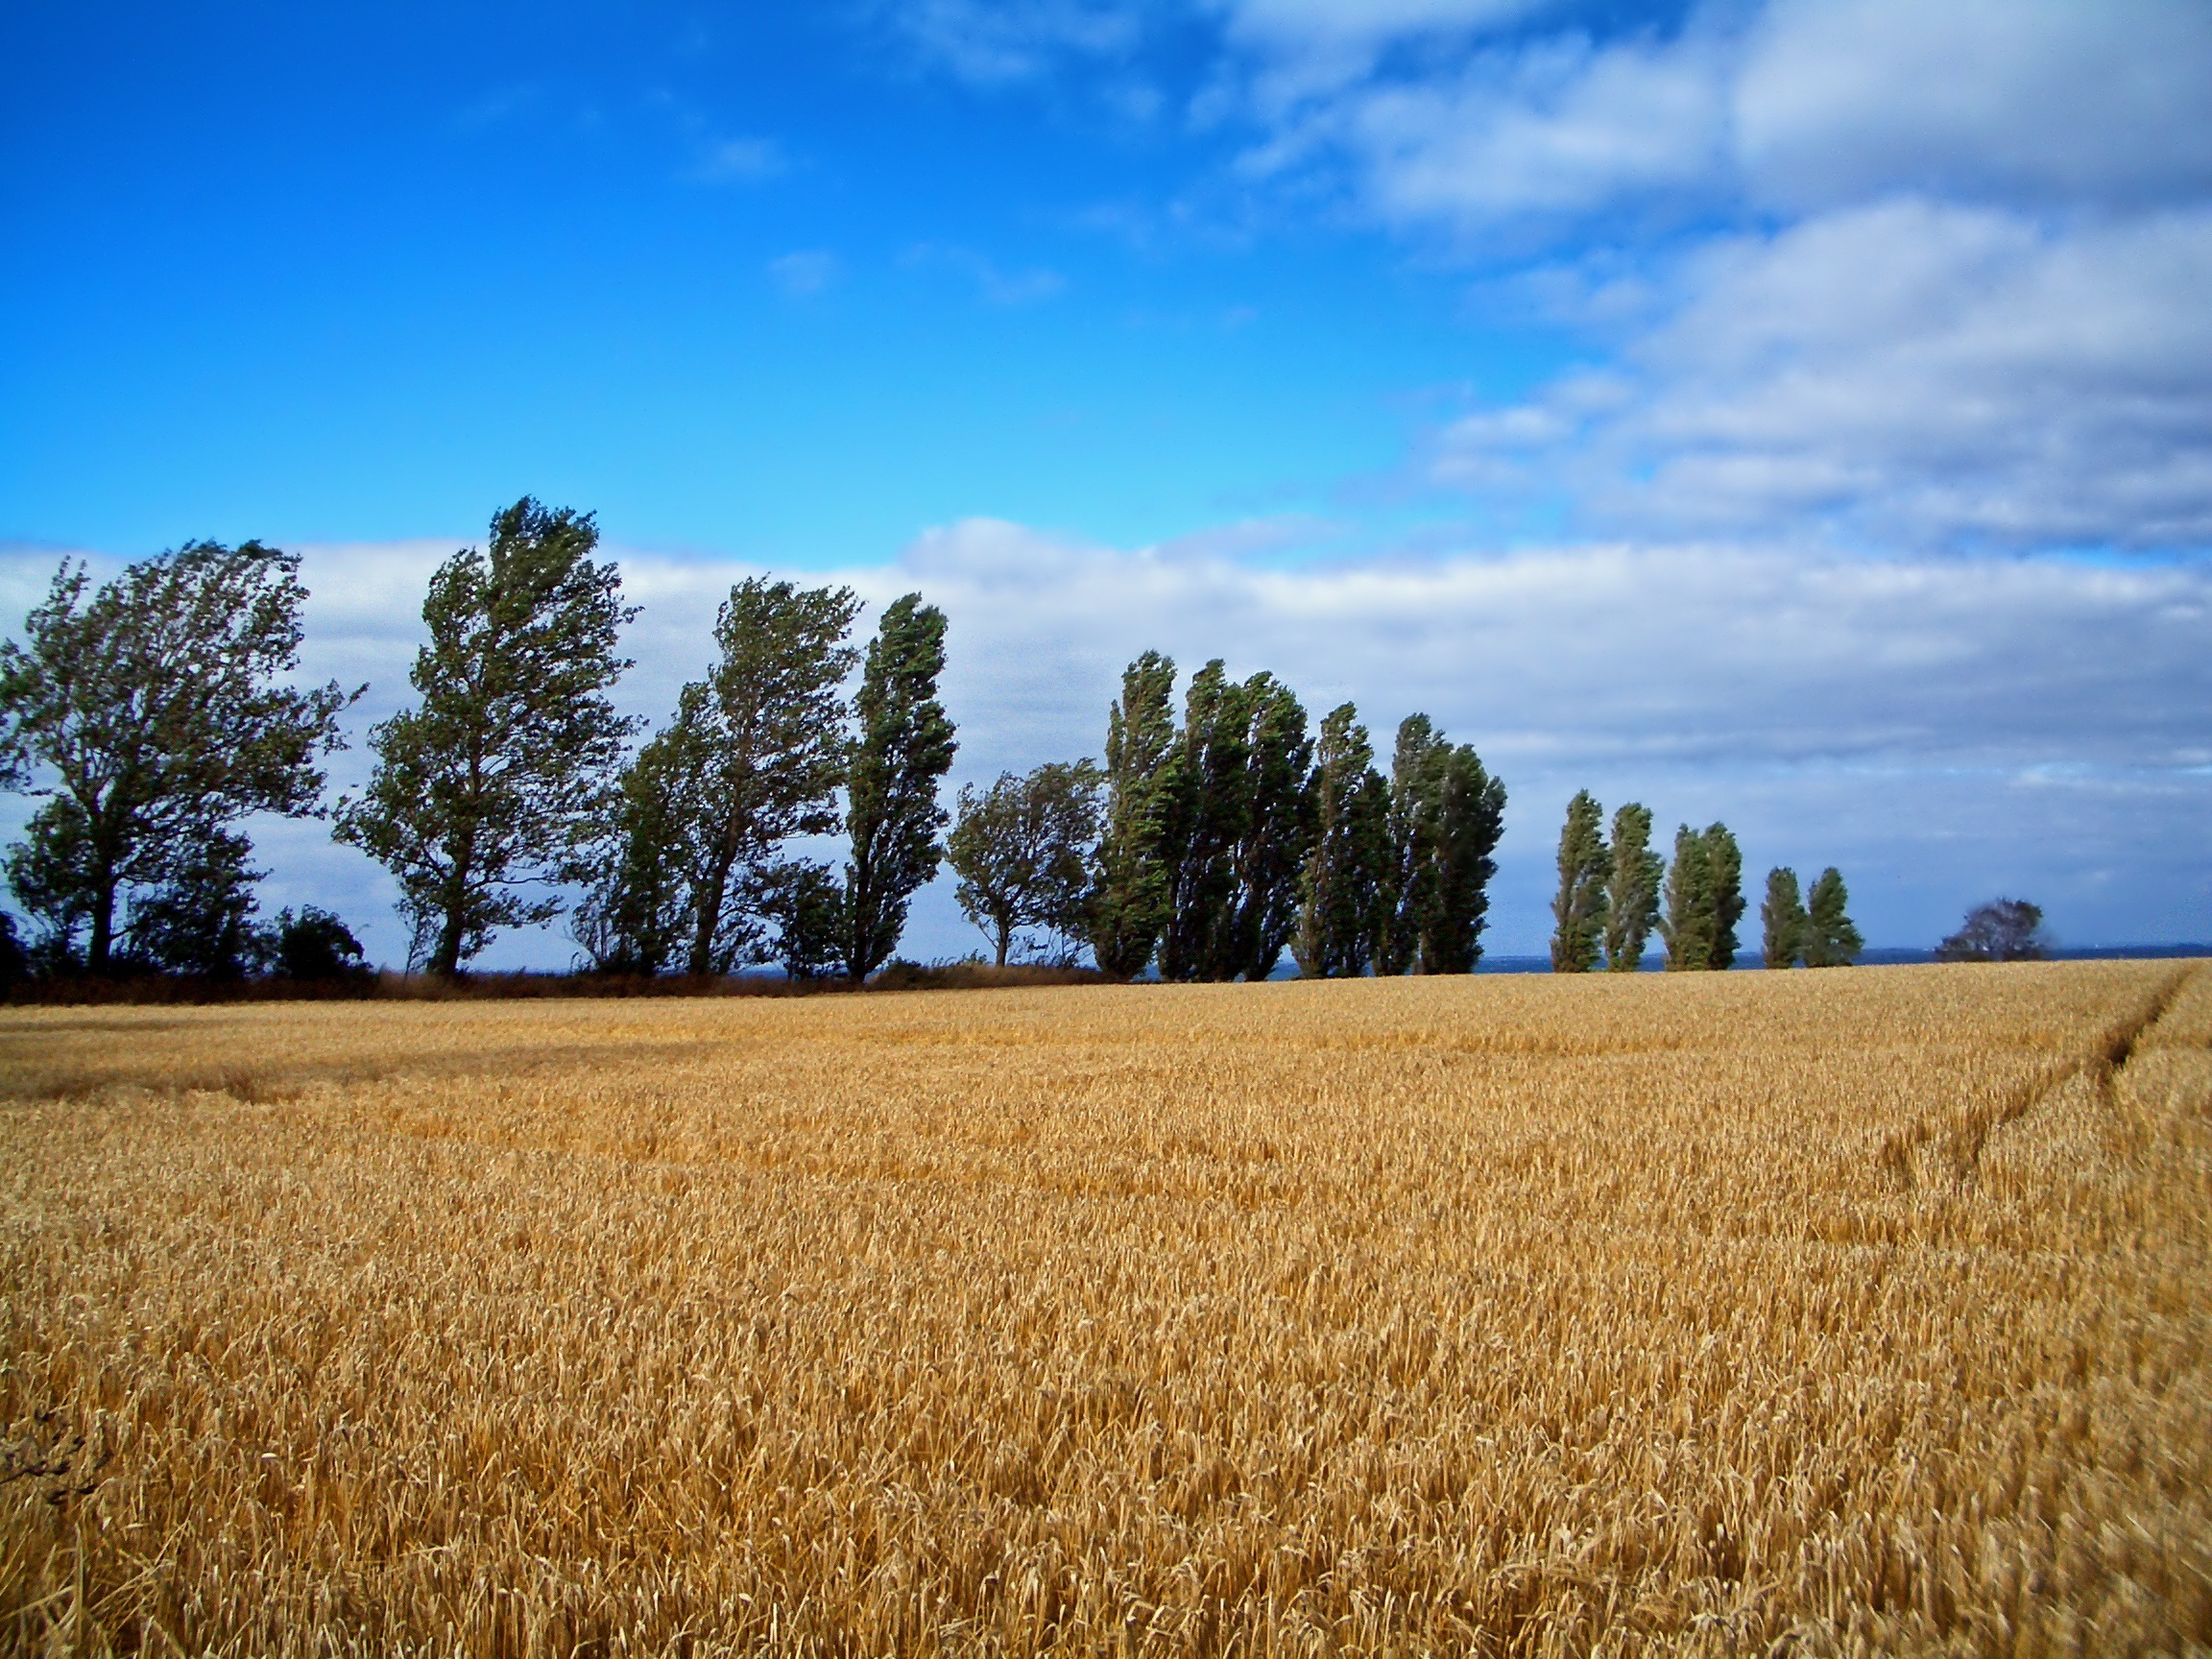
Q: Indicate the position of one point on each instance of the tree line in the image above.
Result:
(151, 716)
(1613, 893)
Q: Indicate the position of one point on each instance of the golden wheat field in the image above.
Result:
(1783, 1312)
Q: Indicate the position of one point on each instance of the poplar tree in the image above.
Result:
(1704, 900)
(1446, 815)
(904, 746)
(1782, 917)
(152, 715)
(1278, 826)
(1129, 896)
(1631, 889)
(486, 793)
(1687, 926)
(1343, 891)
(1578, 910)
(1831, 941)
(1203, 813)
(1724, 869)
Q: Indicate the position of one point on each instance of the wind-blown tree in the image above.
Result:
(1205, 806)
(1278, 829)
(1446, 815)
(755, 755)
(1782, 920)
(1022, 850)
(484, 795)
(1130, 891)
(1578, 910)
(637, 915)
(2002, 930)
(1704, 900)
(1344, 897)
(904, 746)
(151, 715)
(1831, 941)
(1631, 889)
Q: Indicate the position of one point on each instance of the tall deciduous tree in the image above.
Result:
(1782, 920)
(1022, 850)
(150, 713)
(1704, 900)
(1831, 941)
(1631, 889)
(758, 750)
(1446, 815)
(1278, 829)
(904, 746)
(1578, 910)
(1344, 898)
(1130, 894)
(1204, 810)
(486, 793)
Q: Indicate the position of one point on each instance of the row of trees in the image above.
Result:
(1614, 893)
(153, 716)
(1206, 849)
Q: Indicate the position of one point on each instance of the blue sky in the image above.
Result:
(1791, 410)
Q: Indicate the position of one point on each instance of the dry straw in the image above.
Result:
(1814, 1313)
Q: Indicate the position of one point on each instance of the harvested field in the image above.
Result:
(1808, 1313)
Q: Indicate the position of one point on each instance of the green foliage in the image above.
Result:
(1130, 890)
(314, 946)
(1831, 941)
(493, 783)
(637, 915)
(1446, 815)
(1022, 850)
(151, 712)
(1344, 904)
(1631, 889)
(199, 918)
(1278, 828)
(2002, 930)
(806, 904)
(905, 745)
(1782, 937)
(1704, 900)
(1578, 910)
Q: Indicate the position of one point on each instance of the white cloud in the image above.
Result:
(805, 271)
(740, 162)
(996, 42)
(2038, 100)
(1907, 371)
(994, 284)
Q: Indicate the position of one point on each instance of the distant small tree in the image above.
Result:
(638, 913)
(1631, 889)
(1579, 909)
(2002, 930)
(804, 903)
(314, 946)
(906, 744)
(487, 793)
(199, 918)
(1022, 850)
(1781, 919)
(1831, 941)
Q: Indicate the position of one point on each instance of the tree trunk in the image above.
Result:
(445, 960)
(102, 943)
(1006, 937)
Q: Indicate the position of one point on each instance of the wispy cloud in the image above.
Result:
(740, 162)
(806, 271)
(994, 284)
